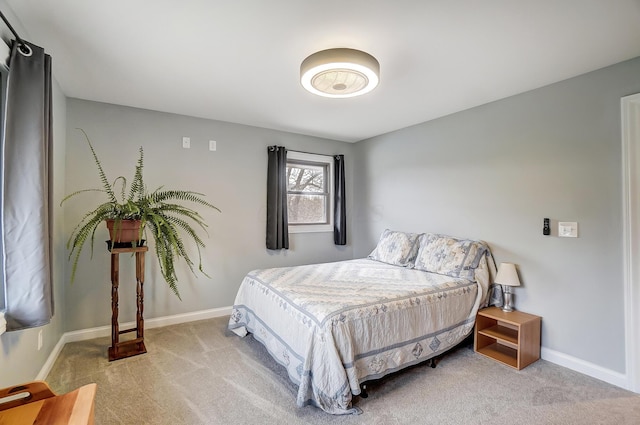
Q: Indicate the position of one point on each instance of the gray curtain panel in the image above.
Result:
(26, 191)
(340, 208)
(277, 220)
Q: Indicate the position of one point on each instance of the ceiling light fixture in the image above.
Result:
(340, 73)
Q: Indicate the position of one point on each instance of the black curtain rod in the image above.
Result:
(15, 34)
(310, 153)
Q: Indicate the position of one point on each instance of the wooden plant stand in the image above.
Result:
(120, 350)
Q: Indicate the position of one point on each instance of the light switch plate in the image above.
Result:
(568, 229)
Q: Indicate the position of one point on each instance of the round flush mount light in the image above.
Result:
(340, 73)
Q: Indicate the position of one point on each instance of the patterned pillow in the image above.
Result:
(396, 248)
(449, 256)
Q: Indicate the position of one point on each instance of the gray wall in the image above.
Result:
(20, 359)
(491, 173)
(494, 172)
(233, 178)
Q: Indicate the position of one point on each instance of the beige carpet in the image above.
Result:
(198, 373)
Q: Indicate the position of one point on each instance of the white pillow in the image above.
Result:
(449, 256)
(396, 248)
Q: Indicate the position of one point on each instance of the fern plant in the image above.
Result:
(160, 212)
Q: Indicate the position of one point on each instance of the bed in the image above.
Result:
(334, 326)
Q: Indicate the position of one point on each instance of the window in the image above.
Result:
(309, 192)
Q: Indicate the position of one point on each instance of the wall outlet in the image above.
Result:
(39, 339)
(212, 145)
(186, 142)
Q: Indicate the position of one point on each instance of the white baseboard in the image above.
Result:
(607, 375)
(561, 359)
(46, 368)
(157, 322)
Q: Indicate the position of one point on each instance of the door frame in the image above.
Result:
(630, 108)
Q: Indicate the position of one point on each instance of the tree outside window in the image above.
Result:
(309, 192)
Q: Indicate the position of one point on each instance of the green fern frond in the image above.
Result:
(103, 177)
(79, 192)
(123, 186)
(137, 185)
(180, 195)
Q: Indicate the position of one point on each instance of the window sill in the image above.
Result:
(311, 228)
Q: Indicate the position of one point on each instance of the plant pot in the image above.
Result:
(124, 231)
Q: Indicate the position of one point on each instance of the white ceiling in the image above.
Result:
(239, 61)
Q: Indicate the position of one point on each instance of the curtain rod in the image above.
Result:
(310, 153)
(20, 41)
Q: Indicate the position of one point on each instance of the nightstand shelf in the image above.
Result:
(501, 353)
(506, 335)
(510, 338)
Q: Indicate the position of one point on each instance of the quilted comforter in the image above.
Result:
(336, 325)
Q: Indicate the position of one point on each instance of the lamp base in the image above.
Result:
(507, 307)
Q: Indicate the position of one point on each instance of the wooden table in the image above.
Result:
(74, 408)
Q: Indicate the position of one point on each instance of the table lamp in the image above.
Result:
(507, 277)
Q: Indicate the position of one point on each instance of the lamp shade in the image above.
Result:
(507, 275)
(340, 73)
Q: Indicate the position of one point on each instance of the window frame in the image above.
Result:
(327, 161)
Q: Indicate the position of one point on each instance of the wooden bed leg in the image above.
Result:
(363, 391)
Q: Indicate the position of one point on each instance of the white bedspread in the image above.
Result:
(336, 325)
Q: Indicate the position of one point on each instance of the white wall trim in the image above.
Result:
(561, 359)
(53, 356)
(607, 375)
(630, 113)
(157, 322)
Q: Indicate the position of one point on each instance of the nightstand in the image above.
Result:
(509, 338)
